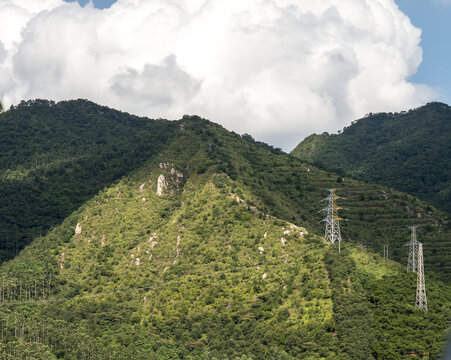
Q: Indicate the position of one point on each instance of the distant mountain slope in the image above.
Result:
(409, 151)
(55, 156)
(212, 249)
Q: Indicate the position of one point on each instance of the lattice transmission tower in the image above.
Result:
(386, 251)
(421, 301)
(332, 219)
(413, 250)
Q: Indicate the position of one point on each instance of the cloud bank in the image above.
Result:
(277, 69)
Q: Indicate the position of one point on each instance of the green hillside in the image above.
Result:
(409, 151)
(37, 195)
(55, 156)
(228, 262)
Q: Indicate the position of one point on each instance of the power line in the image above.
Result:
(332, 220)
(413, 250)
(421, 300)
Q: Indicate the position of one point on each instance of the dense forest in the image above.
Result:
(409, 151)
(55, 156)
(211, 248)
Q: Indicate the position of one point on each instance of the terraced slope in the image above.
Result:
(290, 189)
(409, 151)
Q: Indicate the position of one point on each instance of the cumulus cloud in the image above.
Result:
(160, 87)
(278, 69)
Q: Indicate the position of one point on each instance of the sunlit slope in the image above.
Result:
(289, 189)
(211, 268)
(54, 157)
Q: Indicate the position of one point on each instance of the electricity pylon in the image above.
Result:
(332, 219)
(386, 251)
(413, 250)
(421, 301)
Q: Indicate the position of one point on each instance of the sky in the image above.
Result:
(276, 69)
(433, 18)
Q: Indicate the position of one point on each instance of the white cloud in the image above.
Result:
(278, 69)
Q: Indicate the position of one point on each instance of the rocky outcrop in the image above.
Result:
(153, 240)
(170, 181)
(162, 185)
(78, 229)
(293, 228)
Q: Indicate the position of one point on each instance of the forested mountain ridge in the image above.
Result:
(409, 151)
(87, 147)
(227, 261)
(55, 156)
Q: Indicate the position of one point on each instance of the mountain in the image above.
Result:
(409, 151)
(211, 248)
(56, 156)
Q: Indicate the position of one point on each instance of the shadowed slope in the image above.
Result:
(54, 157)
(409, 151)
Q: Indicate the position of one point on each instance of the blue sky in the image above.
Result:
(100, 4)
(433, 17)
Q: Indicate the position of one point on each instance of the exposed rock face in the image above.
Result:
(78, 229)
(177, 176)
(299, 229)
(162, 185)
(171, 181)
(152, 240)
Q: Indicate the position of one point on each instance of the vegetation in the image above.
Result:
(409, 151)
(55, 156)
(228, 263)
